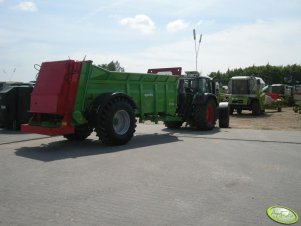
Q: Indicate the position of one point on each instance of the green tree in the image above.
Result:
(290, 74)
(112, 66)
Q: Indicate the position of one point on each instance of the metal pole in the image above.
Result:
(196, 56)
(196, 49)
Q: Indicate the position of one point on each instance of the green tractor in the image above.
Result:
(198, 105)
(245, 93)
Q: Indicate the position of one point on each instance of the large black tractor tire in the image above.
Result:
(81, 133)
(116, 122)
(223, 117)
(205, 115)
(255, 107)
(173, 125)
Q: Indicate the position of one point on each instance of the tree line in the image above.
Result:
(112, 66)
(290, 74)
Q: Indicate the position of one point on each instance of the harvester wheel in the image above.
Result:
(81, 133)
(205, 116)
(116, 122)
(279, 108)
(255, 107)
(173, 125)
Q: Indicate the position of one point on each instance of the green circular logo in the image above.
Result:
(282, 215)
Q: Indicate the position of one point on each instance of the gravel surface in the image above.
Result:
(287, 119)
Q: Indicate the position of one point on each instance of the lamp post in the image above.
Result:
(196, 48)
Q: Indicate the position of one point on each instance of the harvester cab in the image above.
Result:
(245, 93)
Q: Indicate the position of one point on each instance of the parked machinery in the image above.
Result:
(281, 91)
(74, 98)
(14, 105)
(297, 98)
(245, 93)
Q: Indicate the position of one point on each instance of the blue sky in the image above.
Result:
(147, 34)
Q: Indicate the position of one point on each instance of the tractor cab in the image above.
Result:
(192, 82)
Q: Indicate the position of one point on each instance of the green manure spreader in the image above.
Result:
(73, 99)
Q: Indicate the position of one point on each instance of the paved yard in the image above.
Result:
(162, 177)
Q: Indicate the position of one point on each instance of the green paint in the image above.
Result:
(154, 95)
(282, 215)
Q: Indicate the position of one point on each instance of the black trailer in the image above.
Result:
(14, 106)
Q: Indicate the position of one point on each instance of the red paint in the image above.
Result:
(54, 94)
(210, 114)
(274, 96)
(47, 131)
(50, 94)
(173, 70)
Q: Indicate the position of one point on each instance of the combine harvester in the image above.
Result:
(73, 99)
(245, 93)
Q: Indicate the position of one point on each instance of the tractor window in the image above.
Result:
(278, 89)
(194, 84)
(209, 86)
(204, 85)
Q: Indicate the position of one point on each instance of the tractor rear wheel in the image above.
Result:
(80, 133)
(205, 115)
(116, 122)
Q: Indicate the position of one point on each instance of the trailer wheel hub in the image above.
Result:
(121, 122)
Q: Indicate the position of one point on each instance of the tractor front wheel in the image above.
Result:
(255, 107)
(223, 117)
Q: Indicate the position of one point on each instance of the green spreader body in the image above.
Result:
(66, 91)
(154, 96)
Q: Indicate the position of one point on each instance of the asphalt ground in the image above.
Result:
(161, 177)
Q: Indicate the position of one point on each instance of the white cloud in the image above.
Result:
(141, 23)
(176, 26)
(274, 42)
(26, 6)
